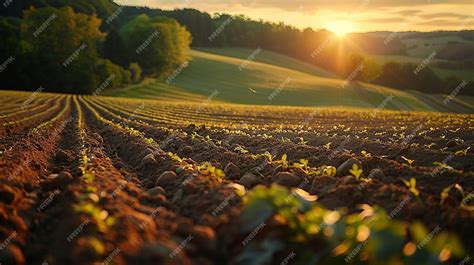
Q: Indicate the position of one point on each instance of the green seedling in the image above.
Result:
(409, 161)
(430, 145)
(327, 146)
(329, 171)
(443, 165)
(462, 152)
(207, 169)
(302, 141)
(411, 184)
(356, 171)
(241, 150)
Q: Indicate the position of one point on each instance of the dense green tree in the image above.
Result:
(159, 45)
(61, 46)
(114, 48)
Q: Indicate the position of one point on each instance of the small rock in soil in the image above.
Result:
(185, 149)
(156, 191)
(65, 177)
(185, 226)
(248, 180)
(417, 209)
(55, 181)
(189, 187)
(98, 138)
(148, 160)
(343, 169)
(148, 183)
(204, 236)
(145, 152)
(451, 143)
(348, 180)
(376, 173)
(62, 156)
(231, 171)
(287, 179)
(322, 183)
(166, 178)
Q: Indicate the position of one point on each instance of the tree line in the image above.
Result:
(61, 50)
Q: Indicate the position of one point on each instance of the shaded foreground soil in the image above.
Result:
(88, 180)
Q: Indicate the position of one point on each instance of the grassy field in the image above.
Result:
(271, 79)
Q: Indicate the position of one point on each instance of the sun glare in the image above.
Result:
(340, 28)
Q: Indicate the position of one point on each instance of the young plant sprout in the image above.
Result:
(409, 161)
(356, 171)
(411, 184)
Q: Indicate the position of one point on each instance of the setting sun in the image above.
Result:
(340, 28)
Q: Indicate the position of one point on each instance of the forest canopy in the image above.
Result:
(62, 50)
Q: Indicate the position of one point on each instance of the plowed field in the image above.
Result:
(97, 180)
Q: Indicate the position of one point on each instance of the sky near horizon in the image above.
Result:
(340, 15)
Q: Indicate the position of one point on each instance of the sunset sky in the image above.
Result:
(340, 15)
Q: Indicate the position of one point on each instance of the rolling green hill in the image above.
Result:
(222, 75)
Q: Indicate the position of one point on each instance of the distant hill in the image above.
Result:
(272, 79)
